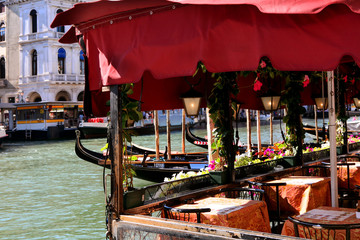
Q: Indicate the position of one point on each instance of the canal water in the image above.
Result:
(47, 192)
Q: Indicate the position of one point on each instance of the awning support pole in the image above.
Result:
(332, 139)
(117, 190)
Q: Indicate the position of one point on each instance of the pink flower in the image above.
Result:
(352, 81)
(345, 78)
(262, 64)
(306, 80)
(257, 85)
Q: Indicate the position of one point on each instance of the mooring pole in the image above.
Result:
(117, 190)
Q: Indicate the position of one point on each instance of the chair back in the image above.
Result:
(349, 158)
(184, 214)
(268, 195)
(243, 193)
(316, 170)
(321, 231)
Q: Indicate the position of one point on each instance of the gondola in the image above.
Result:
(146, 168)
(203, 143)
(352, 128)
(197, 141)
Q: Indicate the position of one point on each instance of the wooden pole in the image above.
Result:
(157, 137)
(271, 129)
(210, 127)
(248, 128)
(316, 124)
(117, 190)
(332, 139)
(258, 130)
(168, 132)
(183, 131)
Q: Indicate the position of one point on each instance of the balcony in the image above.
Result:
(40, 35)
(54, 79)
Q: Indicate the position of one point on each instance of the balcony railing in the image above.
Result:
(54, 78)
(41, 35)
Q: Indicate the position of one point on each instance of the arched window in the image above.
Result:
(82, 63)
(2, 32)
(81, 96)
(2, 67)
(61, 61)
(33, 15)
(34, 63)
(2, 7)
(60, 28)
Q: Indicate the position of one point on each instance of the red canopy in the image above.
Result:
(161, 41)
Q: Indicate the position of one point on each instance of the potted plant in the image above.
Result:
(130, 112)
(340, 130)
(221, 109)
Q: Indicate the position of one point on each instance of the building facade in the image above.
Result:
(34, 66)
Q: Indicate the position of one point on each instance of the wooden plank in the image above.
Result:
(168, 134)
(183, 129)
(248, 127)
(117, 190)
(156, 127)
(258, 124)
(316, 124)
(271, 129)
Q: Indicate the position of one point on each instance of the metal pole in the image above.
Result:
(332, 139)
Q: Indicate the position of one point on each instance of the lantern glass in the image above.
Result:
(357, 101)
(321, 103)
(271, 103)
(192, 106)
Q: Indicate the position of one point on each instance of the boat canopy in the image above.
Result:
(155, 44)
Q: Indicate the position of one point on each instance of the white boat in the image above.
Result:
(97, 127)
(3, 134)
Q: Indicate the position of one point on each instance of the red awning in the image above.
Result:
(130, 40)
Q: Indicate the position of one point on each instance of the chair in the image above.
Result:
(351, 158)
(321, 231)
(277, 217)
(183, 214)
(348, 196)
(243, 193)
(316, 170)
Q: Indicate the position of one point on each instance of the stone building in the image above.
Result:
(34, 66)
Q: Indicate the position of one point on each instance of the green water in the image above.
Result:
(47, 192)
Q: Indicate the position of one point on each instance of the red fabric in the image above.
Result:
(126, 49)
(168, 43)
(84, 12)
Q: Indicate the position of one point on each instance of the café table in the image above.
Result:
(354, 175)
(301, 194)
(326, 215)
(232, 212)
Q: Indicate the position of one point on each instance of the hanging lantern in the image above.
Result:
(192, 100)
(271, 102)
(356, 100)
(321, 103)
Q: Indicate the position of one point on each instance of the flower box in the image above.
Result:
(290, 161)
(316, 155)
(134, 198)
(220, 177)
(354, 146)
(256, 168)
(341, 149)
